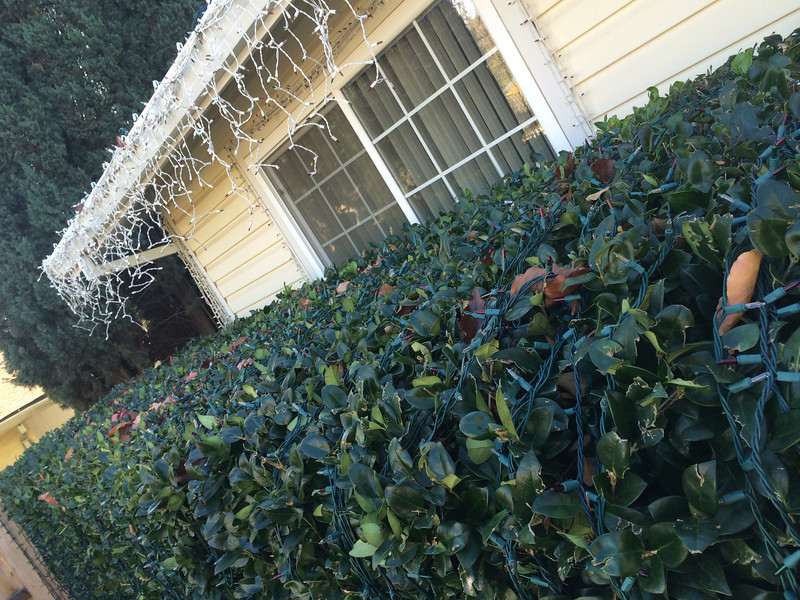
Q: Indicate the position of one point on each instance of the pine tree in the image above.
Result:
(72, 72)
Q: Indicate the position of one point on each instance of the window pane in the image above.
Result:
(345, 199)
(319, 216)
(341, 250)
(447, 33)
(432, 200)
(346, 145)
(446, 130)
(291, 167)
(410, 68)
(389, 219)
(515, 151)
(367, 179)
(476, 176)
(493, 99)
(377, 108)
(407, 158)
(318, 141)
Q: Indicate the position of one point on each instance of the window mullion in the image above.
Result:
(383, 169)
(449, 85)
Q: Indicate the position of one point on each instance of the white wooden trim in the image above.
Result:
(377, 159)
(539, 79)
(138, 259)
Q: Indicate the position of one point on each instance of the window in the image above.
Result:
(335, 192)
(450, 115)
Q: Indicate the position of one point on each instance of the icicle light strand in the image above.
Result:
(254, 50)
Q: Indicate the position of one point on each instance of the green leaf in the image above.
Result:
(362, 549)
(438, 462)
(332, 376)
(602, 353)
(505, 414)
(249, 389)
(699, 171)
(618, 554)
(479, 450)
(424, 323)
(478, 425)
(742, 62)
(742, 338)
(663, 540)
(696, 534)
(315, 446)
(365, 480)
(405, 501)
(558, 505)
(785, 430)
(615, 453)
(792, 239)
(486, 351)
(777, 209)
(428, 381)
(708, 576)
(207, 421)
(488, 529)
(700, 486)
(373, 533)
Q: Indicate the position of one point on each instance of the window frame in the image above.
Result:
(560, 135)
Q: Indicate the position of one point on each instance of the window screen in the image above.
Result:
(449, 115)
(334, 190)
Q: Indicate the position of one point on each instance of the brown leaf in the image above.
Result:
(386, 289)
(523, 278)
(604, 168)
(553, 292)
(471, 236)
(69, 454)
(235, 344)
(596, 196)
(468, 324)
(342, 287)
(740, 284)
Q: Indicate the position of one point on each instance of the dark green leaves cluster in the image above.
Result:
(424, 434)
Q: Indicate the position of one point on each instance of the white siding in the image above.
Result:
(611, 51)
(237, 244)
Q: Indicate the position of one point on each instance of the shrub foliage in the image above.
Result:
(583, 385)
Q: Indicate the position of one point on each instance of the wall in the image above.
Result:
(610, 52)
(37, 420)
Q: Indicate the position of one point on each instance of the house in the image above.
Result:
(289, 134)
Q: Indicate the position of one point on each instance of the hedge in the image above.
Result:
(583, 385)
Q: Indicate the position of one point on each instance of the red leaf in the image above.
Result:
(48, 498)
(386, 289)
(604, 168)
(468, 324)
(565, 170)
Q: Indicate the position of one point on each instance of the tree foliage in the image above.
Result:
(410, 428)
(72, 72)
